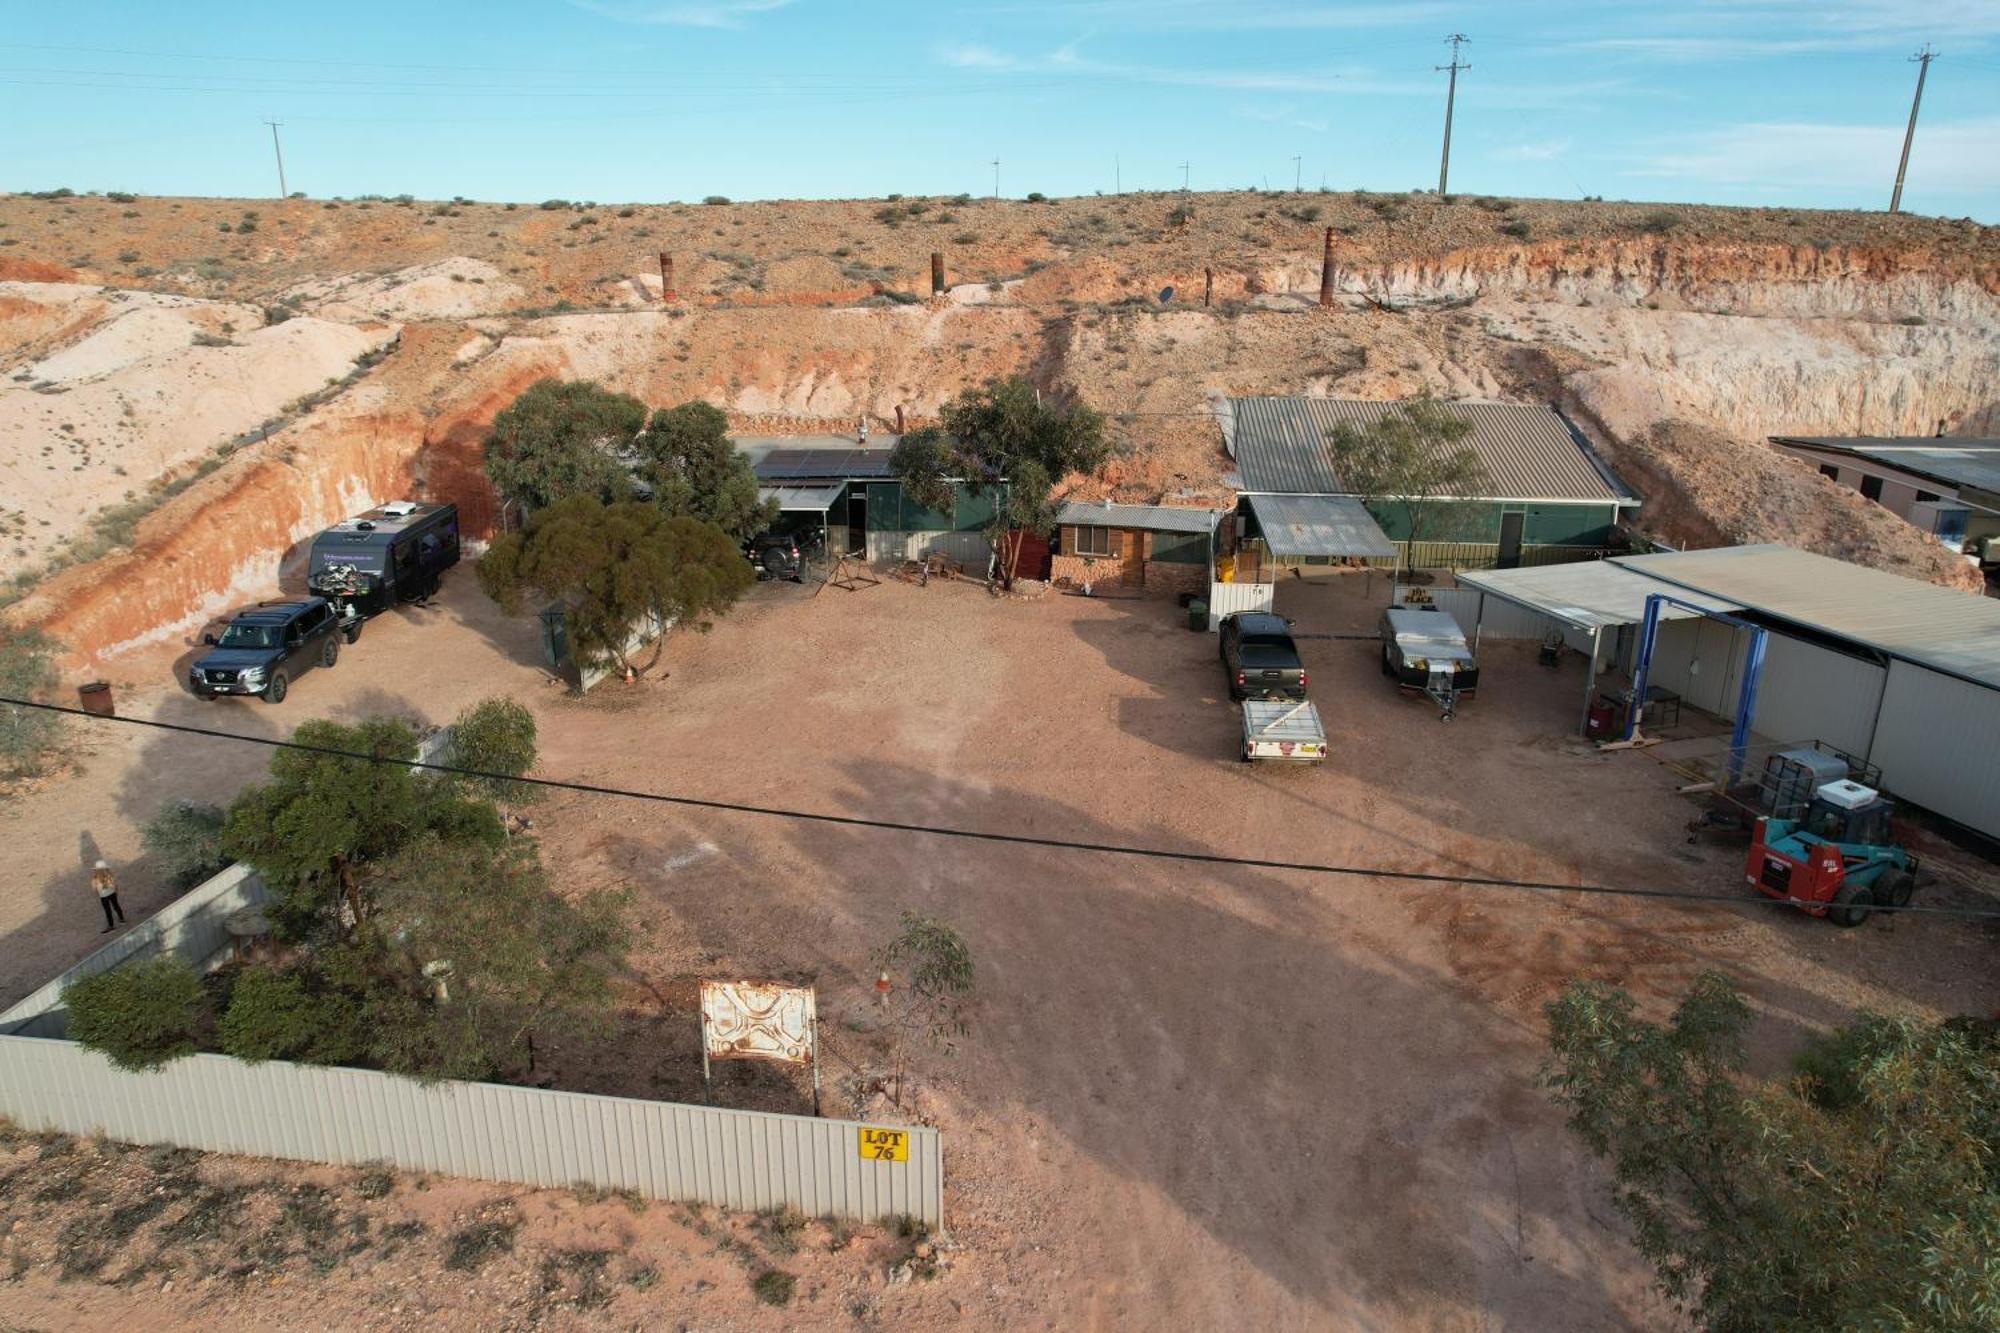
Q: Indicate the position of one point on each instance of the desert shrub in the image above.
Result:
(121, 196)
(495, 736)
(1518, 228)
(1037, 197)
(247, 225)
(715, 199)
(140, 1015)
(627, 212)
(553, 204)
(27, 671)
(185, 840)
(1180, 215)
(468, 1248)
(774, 1286)
(277, 314)
(1659, 222)
(128, 256)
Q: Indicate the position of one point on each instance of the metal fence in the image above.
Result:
(488, 1131)
(970, 549)
(1480, 555)
(1228, 598)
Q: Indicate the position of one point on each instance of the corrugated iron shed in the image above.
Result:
(1296, 526)
(1589, 595)
(1953, 632)
(1529, 451)
(1951, 460)
(1150, 518)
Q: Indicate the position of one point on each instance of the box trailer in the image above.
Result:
(1282, 729)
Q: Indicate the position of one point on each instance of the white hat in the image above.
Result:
(102, 865)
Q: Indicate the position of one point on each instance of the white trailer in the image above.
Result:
(1282, 729)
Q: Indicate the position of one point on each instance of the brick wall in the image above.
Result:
(1102, 572)
(1170, 580)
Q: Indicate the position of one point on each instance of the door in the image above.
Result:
(1134, 556)
(857, 521)
(1510, 540)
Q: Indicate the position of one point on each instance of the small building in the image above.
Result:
(1162, 548)
(1900, 674)
(1549, 497)
(851, 493)
(1946, 486)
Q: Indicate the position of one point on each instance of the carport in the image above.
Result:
(1588, 598)
(813, 501)
(1318, 527)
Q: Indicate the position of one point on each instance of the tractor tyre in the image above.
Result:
(1897, 889)
(1851, 906)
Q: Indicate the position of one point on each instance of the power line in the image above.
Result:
(978, 835)
(1457, 39)
(1923, 60)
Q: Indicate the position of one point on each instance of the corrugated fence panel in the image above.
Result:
(1228, 598)
(970, 549)
(1935, 743)
(534, 1136)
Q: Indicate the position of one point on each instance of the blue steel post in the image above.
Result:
(1746, 703)
(1637, 705)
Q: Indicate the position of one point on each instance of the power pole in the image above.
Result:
(1184, 178)
(1923, 59)
(996, 178)
(275, 148)
(1117, 175)
(1298, 168)
(1457, 40)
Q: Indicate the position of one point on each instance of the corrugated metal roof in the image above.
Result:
(1948, 459)
(803, 499)
(1529, 451)
(1589, 595)
(1152, 518)
(1295, 526)
(1953, 632)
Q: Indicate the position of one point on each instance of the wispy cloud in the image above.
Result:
(1547, 150)
(1289, 117)
(1935, 18)
(681, 13)
(1222, 14)
(1961, 157)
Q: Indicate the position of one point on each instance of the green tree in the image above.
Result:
(185, 841)
(511, 958)
(929, 970)
(563, 438)
(694, 468)
(291, 1013)
(140, 1015)
(322, 817)
(615, 568)
(27, 671)
(1860, 1194)
(495, 736)
(1413, 461)
(1003, 438)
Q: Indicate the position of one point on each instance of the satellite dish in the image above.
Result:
(1166, 295)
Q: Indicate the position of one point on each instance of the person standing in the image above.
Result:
(106, 885)
(862, 429)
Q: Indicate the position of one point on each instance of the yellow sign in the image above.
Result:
(883, 1145)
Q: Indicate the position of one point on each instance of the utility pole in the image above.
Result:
(996, 178)
(1184, 178)
(275, 148)
(1117, 175)
(1297, 168)
(1457, 40)
(1923, 59)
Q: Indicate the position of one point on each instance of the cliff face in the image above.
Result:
(1678, 353)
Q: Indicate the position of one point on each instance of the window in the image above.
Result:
(1102, 542)
(1926, 497)
(1871, 487)
(1829, 471)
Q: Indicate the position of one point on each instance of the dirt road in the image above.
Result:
(1192, 1095)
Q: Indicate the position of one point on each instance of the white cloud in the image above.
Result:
(1290, 117)
(681, 13)
(1961, 157)
(1548, 150)
(1222, 14)
(1933, 19)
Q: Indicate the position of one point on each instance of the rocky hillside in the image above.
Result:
(187, 386)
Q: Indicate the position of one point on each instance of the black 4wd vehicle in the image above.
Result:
(265, 649)
(1259, 659)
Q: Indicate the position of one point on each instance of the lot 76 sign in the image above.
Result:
(882, 1145)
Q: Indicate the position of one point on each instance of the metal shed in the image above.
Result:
(1588, 598)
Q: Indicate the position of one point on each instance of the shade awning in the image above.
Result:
(802, 499)
(1298, 526)
(1590, 595)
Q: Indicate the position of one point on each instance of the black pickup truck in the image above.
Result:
(1259, 659)
(264, 649)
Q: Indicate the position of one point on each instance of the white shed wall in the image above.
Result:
(1813, 693)
(1938, 744)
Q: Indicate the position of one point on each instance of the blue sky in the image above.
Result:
(1791, 102)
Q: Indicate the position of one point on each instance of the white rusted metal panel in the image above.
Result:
(1812, 693)
(757, 1020)
(533, 1136)
(1229, 598)
(970, 549)
(1938, 745)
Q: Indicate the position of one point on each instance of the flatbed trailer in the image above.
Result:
(1282, 729)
